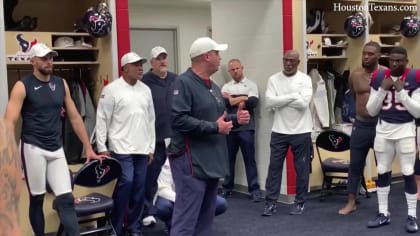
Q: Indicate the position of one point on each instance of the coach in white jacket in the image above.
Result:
(288, 94)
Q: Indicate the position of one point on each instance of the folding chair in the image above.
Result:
(333, 167)
(92, 175)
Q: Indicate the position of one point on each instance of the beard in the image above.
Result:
(45, 71)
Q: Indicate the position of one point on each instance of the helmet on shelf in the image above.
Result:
(355, 25)
(98, 22)
(410, 26)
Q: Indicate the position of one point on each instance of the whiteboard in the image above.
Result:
(142, 40)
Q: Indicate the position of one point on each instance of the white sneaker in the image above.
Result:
(149, 221)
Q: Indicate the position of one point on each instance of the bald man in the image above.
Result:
(288, 94)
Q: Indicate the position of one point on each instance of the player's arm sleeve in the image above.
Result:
(412, 104)
(375, 101)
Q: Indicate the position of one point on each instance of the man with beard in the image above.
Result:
(363, 132)
(159, 80)
(395, 97)
(40, 98)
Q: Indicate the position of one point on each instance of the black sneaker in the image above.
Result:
(411, 224)
(380, 219)
(256, 196)
(270, 208)
(297, 209)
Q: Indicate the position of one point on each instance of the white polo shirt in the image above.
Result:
(243, 87)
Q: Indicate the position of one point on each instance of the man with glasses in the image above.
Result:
(40, 98)
(288, 94)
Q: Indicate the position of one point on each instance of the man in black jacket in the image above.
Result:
(198, 152)
(159, 80)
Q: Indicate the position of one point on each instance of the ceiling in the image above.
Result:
(172, 3)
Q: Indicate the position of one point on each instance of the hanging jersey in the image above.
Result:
(41, 110)
(393, 111)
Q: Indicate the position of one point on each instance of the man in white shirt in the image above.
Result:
(241, 90)
(126, 120)
(288, 94)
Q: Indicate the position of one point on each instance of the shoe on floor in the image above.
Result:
(270, 208)
(297, 209)
(149, 221)
(380, 220)
(225, 193)
(411, 224)
(256, 196)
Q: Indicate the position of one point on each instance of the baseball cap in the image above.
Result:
(156, 51)
(131, 57)
(205, 44)
(64, 42)
(41, 50)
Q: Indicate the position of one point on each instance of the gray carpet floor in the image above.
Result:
(243, 217)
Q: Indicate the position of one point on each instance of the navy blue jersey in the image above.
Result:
(392, 110)
(41, 121)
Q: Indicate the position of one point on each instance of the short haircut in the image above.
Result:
(399, 50)
(373, 44)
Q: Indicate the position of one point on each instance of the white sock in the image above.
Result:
(383, 193)
(411, 204)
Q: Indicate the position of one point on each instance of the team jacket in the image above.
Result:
(195, 109)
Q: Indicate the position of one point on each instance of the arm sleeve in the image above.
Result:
(411, 103)
(305, 96)
(375, 101)
(165, 185)
(152, 131)
(276, 101)
(251, 103)
(182, 120)
(103, 118)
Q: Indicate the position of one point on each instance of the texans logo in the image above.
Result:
(335, 141)
(101, 172)
(25, 45)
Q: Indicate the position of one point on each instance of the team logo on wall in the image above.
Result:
(309, 51)
(25, 46)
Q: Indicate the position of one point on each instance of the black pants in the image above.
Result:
(153, 171)
(301, 148)
(362, 139)
(246, 141)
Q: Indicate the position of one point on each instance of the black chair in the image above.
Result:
(93, 175)
(333, 167)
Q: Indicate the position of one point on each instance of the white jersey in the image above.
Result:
(126, 117)
(289, 97)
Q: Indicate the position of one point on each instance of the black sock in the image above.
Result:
(36, 214)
